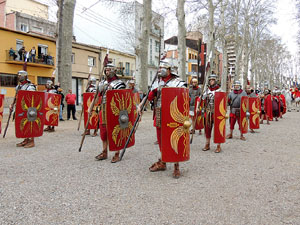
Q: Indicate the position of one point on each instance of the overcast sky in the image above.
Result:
(102, 27)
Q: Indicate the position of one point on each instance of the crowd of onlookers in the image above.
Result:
(31, 56)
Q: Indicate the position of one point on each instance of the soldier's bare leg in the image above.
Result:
(207, 145)
(242, 137)
(229, 136)
(176, 172)
(24, 142)
(218, 149)
(116, 157)
(103, 155)
(48, 128)
(158, 166)
(252, 131)
(30, 143)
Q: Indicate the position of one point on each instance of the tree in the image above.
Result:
(64, 43)
(180, 14)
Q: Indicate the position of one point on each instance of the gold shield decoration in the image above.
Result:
(52, 108)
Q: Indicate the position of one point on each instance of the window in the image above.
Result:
(194, 68)
(42, 50)
(157, 46)
(43, 80)
(91, 61)
(37, 29)
(127, 68)
(190, 56)
(150, 76)
(73, 58)
(24, 27)
(8, 80)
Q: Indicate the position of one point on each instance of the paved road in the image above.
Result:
(252, 182)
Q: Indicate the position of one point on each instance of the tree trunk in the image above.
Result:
(211, 42)
(65, 76)
(180, 14)
(142, 73)
(224, 49)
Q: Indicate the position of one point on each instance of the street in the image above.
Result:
(256, 181)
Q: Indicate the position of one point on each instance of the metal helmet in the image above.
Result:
(212, 77)
(92, 80)
(237, 85)
(22, 75)
(49, 82)
(110, 70)
(131, 81)
(163, 67)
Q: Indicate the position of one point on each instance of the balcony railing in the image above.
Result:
(13, 56)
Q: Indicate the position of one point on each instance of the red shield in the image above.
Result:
(254, 110)
(30, 116)
(120, 118)
(175, 124)
(87, 101)
(199, 118)
(1, 110)
(52, 107)
(243, 117)
(220, 117)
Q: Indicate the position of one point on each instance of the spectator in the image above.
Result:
(59, 91)
(71, 99)
(21, 53)
(32, 54)
(12, 54)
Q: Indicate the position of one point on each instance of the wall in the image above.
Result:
(29, 7)
(2, 12)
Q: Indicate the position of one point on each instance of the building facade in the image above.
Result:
(86, 56)
(26, 15)
(40, 67)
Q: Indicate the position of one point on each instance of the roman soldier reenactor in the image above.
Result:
(234, 100)
(24, 84)
(168, 79)
(214, 111)
(91, 88)
(50, 88)
(251, 94)
(111, 82)
(267, 103)
(275, 105)
(194, 92)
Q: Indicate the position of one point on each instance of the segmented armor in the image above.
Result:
(28, 86)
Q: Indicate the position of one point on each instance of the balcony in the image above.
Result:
(41, 61)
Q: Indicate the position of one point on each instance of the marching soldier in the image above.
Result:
(167, 79)
(91, 89)
(234, 100)
(50, 88)
(131, 86)
(194, 92)
(251, 94)
(111, 82)
(209, 110)
(24, 84)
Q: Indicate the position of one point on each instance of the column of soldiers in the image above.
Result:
(166, 79)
